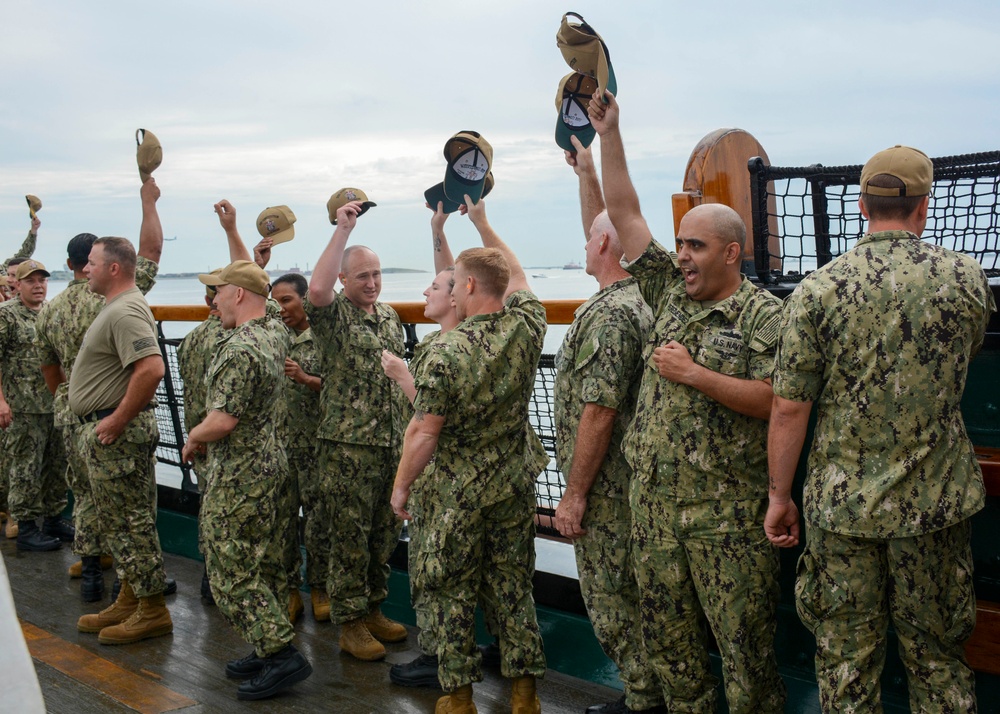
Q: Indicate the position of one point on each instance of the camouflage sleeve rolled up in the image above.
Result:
(26, 251)
(656, 271)
(145, 274)
(799, 360)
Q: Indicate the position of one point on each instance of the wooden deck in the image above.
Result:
(184, 671)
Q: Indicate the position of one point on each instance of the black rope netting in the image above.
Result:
(805, 217)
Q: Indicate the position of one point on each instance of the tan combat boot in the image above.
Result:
(355, 639)
(523, 699)
(150, 619)
(76, 569)
(321, 605)
(295, 606)
(458, 702)
(12, 531)
(384, 629)
(119, 611)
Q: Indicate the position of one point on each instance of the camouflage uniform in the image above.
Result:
(477, 497)
(62, 323)
(122, 474)
(242, 523)
(698, 499)
(299, 437)
(881, 340)
(360, 435)
(34, 459)
(599, 362)
(194, 358)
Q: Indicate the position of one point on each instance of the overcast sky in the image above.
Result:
(268, 103)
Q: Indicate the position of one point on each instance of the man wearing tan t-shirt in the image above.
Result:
(111, 390)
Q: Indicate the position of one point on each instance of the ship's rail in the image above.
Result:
(549, 485)
(810, 214)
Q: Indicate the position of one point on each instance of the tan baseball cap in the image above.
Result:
(28, 267)
(275, 222)
(242, 273)
(909, 165)
(585, 52)
(470, 160)
(344, 196)
(148, 153)
(3, 281)
(210, 290)
(34, 204)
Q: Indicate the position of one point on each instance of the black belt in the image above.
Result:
(105, 413)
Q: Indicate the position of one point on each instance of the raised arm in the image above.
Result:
(591, 199)
(150, 232)
(442, 251)
(324, 277)
(227, 219)
(27, 247)
(477, 214)
(619, 193)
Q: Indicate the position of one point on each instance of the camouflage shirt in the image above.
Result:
(881, 339)
(245, 381)
(27, 250)
(195, 355)
(599, 362)
(360, 404)
(479, 376)
(302, 402)
(695, 447)
(20, 374)
(64, 321)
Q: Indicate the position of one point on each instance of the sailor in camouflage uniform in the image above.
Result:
(598, 368)
(880, 340)
(697, 447)
(34, 457)
(242, 523)
(112, 390)
(8, 290)
(359, 435)
(62, 324)
(302, 389)
(478, 496)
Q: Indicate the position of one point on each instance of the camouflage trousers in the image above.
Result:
(485, 556)
(848, 588)
(88, 540)
(611, 594)
(355, 488)
(36, 467)
(4, 478)
(707, 561)
(123, 481)
(244, 526)
(316, 525)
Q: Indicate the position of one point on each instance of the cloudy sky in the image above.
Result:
(268, 103)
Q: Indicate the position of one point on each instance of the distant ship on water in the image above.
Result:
(572, 266)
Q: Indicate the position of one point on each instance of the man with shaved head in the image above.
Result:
(360, 435)
(598, 369)
(697, 446)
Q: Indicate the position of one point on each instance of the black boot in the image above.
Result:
(206, 589)
(245, 667)
(281, 670)
(59, 527)
(420, 672)
(31, 538)
(92, 582)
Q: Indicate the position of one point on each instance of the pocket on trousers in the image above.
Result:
(808, 598)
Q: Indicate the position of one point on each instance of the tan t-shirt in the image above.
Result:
(123, 333)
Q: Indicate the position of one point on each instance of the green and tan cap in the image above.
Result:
(585, 51)
(148, 153)
(345, 196)
(28, 267)
(34, 205)
(276, 223)
(470, 161)
(245, 274)
(909, 165)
